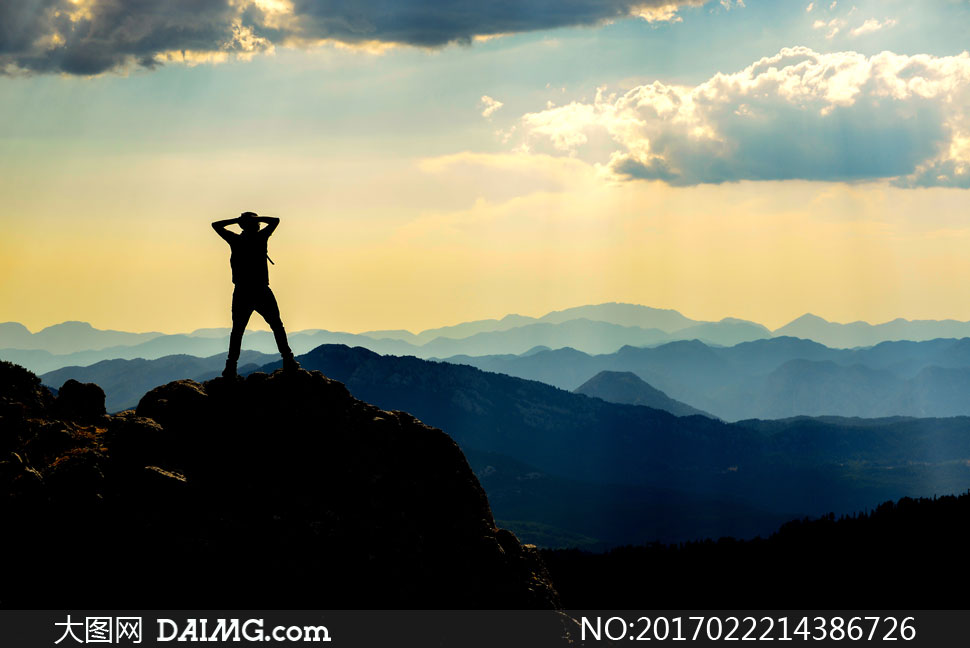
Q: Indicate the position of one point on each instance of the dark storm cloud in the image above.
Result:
(87, 37)
(432, 23)
(91, 37)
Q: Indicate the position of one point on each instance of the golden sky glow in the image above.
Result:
(725, 159)
(354, 258)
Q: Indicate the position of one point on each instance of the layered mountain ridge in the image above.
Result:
(773, 378)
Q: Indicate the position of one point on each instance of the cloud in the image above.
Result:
(665, 12)
(872, 25)
(838, 24)
(798, 114)
(490, 105)
(832, 27)
(88, 37)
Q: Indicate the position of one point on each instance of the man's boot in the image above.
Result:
(290, 365)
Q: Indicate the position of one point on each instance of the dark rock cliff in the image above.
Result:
(277, 491)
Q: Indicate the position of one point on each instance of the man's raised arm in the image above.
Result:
(220, 227)
(271, 224)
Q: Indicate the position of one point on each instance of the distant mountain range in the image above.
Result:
(594, 329)
(626, 315)
(773, 378)
(861, 334)
(67, 337)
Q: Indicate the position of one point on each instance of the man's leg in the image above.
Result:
(242, 309)
(270, 310)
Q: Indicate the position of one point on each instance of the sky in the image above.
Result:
(434, 162)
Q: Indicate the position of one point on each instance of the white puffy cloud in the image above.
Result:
(798, 114)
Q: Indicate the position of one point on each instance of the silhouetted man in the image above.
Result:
(252, 292)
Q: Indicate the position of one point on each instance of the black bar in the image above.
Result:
(467, 629)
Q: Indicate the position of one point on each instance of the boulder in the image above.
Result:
(80, 401)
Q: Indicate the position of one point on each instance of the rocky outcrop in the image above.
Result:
(80, 401)
(277, 491)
